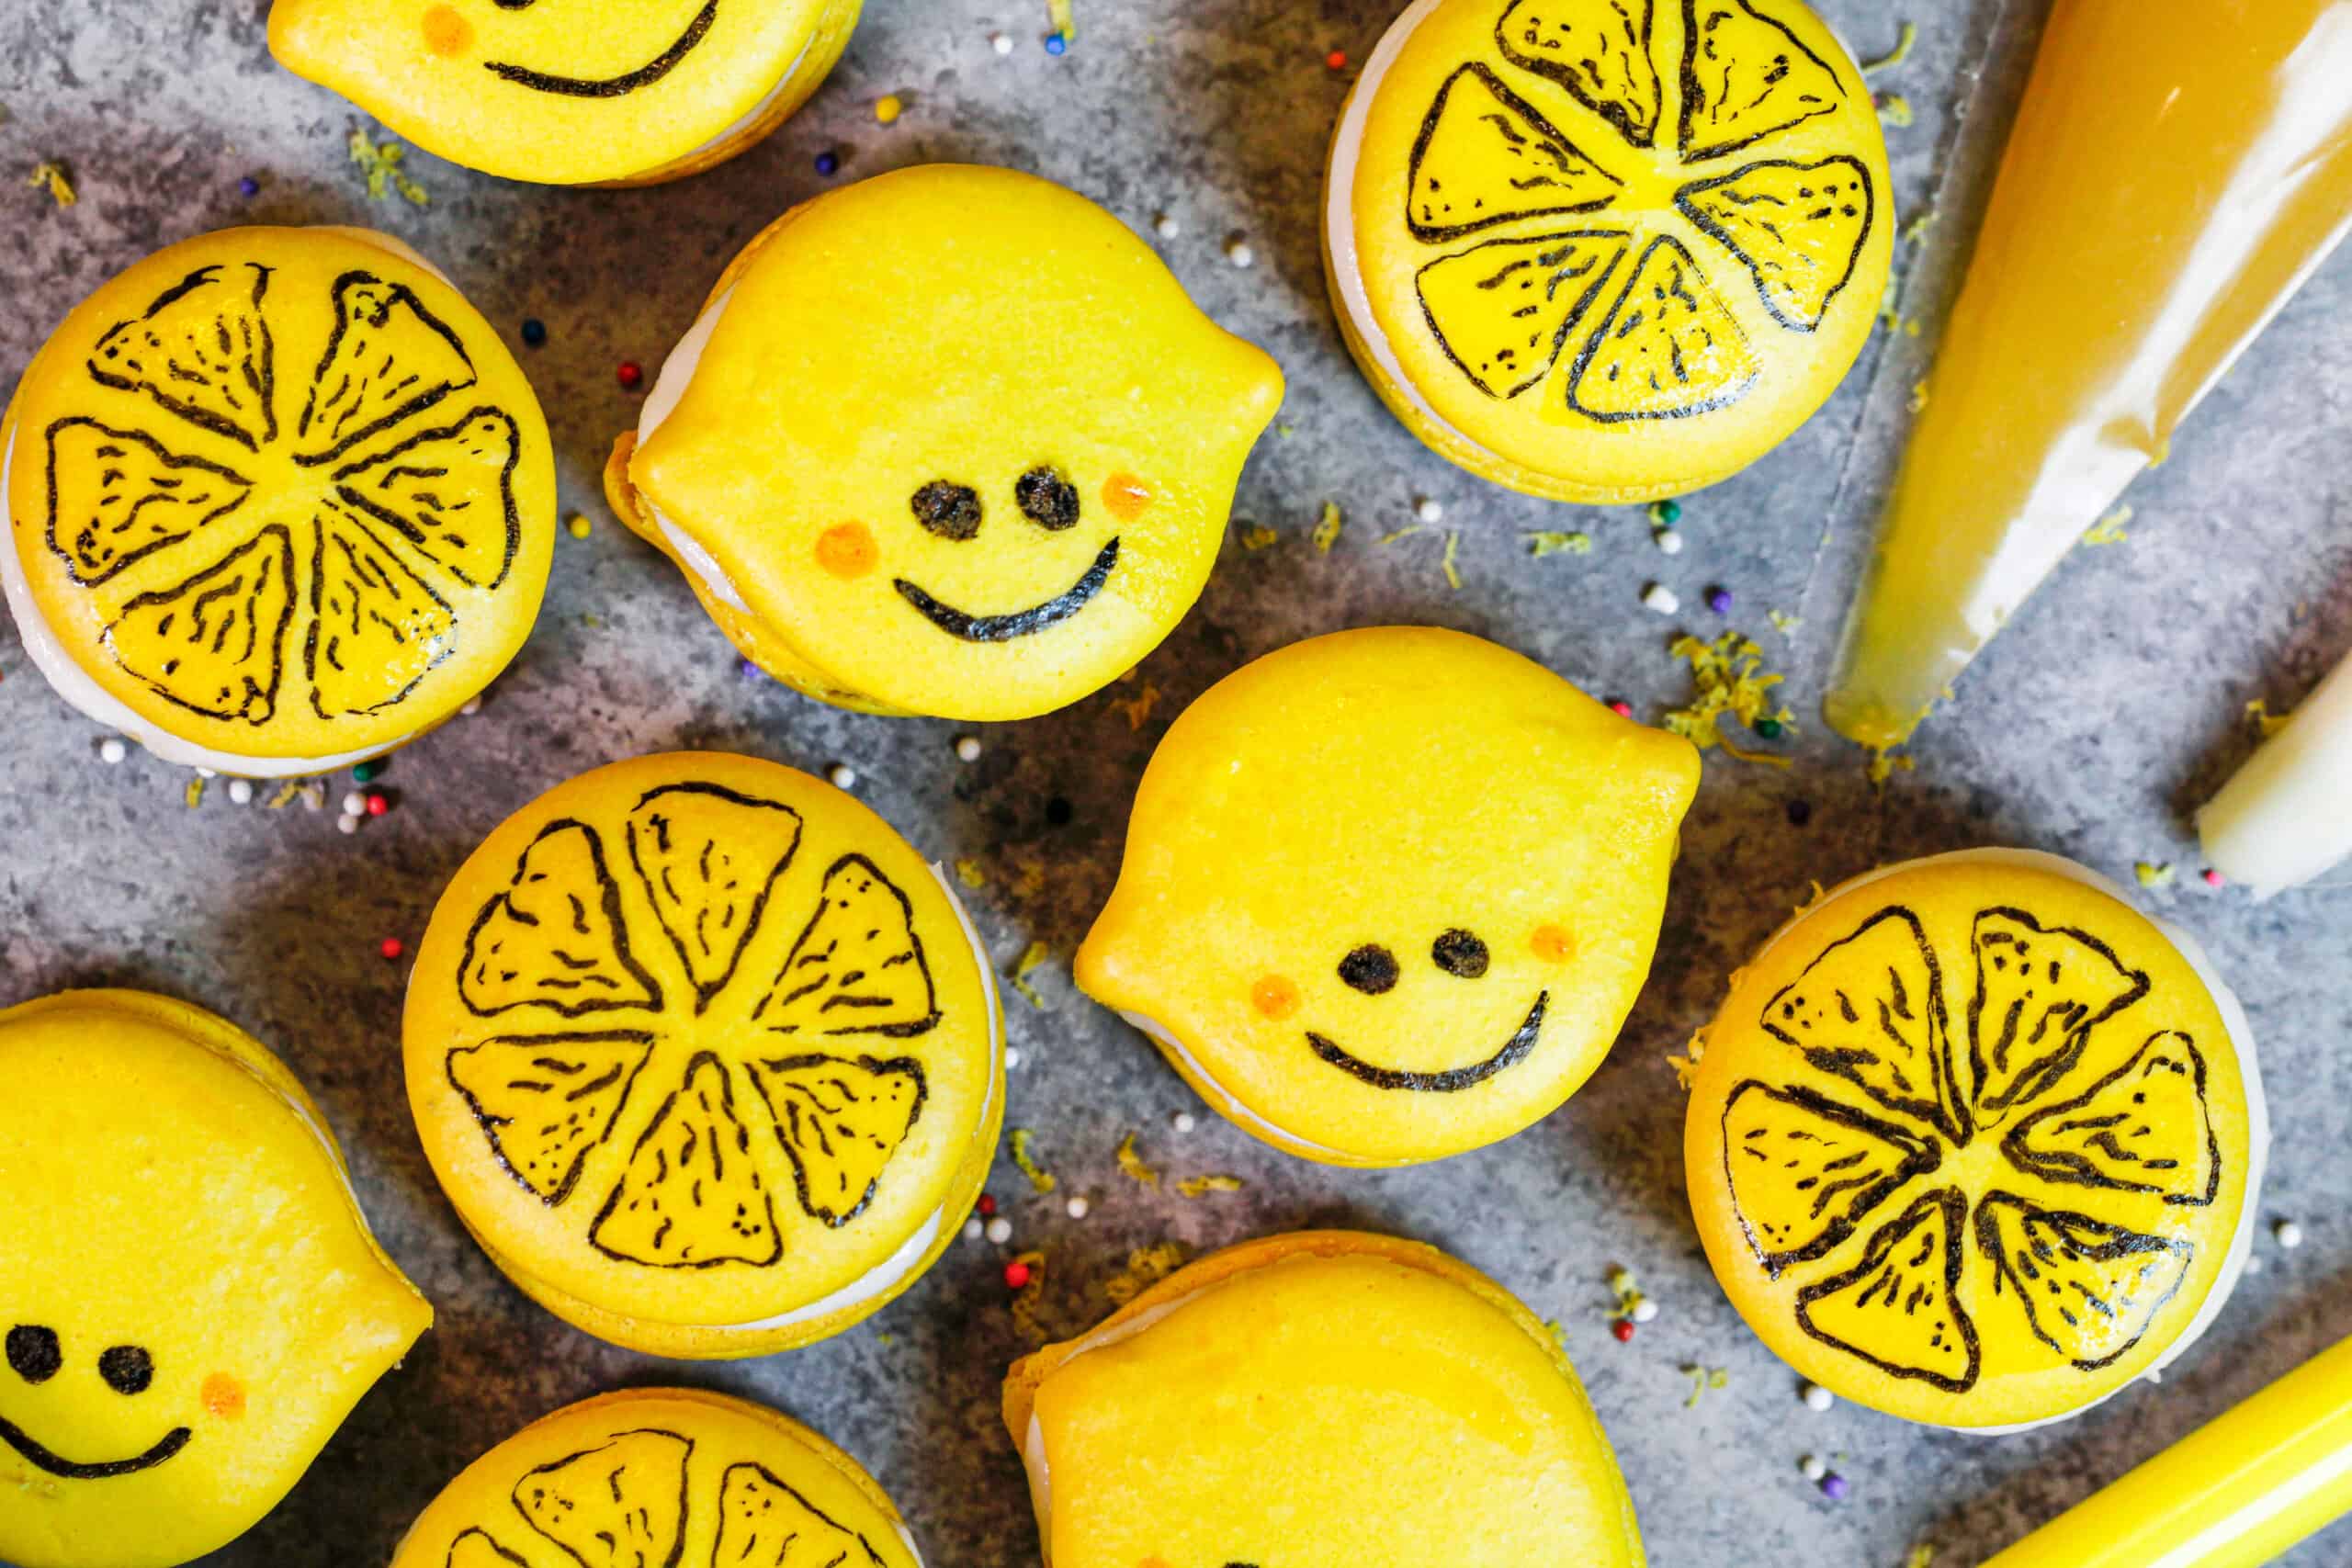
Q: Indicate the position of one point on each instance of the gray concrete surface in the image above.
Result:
(2108, 709)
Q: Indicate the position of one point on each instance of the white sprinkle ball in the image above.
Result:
(355, 805)
(1668, 541)
(967, 748)
(1011, 1057)
(1427, 510)
(1657, 596)
(2289, 1234)
(2254, 1263)
(1817, 1398)
(974, 1230)
(1182, 1122)
(1239, 254)
(1166, 227)
(1644, 1310)
(470, 707)
(1000, 42)
(347, 823)
(241, 791)
(111, 750)
(1812, 1468)
(1000, 1230)
(842, 775)
(1077, 1207)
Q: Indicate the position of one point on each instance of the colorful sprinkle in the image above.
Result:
(1057, 44)
(355, 804)
(2288, 1234)
(1624, 1329)
(347, 824)
(368, 772)
(1800, 813)
(1165, 226)
(535, 332)
(1667, 540)
(1000, 42)
(1238, 253)
(1647, 1311)
(1182, 1122)
(1833, 1486)
(249, 187)
(391, 947)
(1810, 1468)
(377, 804)
(1016, 1276)
(829, 162)
(1769, 728)
(111, 750)
(1817, 1398)
(889, 107)
(1719, 601)
(986, 1205)
(630, 374)
(967, 748)
(577, 526)
(1657, 597)
(1620, 707)
(241, 791)
(1076, 1208)
(974, 1230)
(841, 775)
(2214, 878)
(1000, 1230)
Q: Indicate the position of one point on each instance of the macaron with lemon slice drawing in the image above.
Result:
(278, 501)
(704, 1054)
(569, 92)
(950, 441)
(1389, 895)
(1975, 1143)
(1607, 249)
(660, 1477)
(191, 1299)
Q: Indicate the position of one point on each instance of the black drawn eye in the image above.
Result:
(1458, 952)
(1046, 499)
(947, 509)
(1370, 969)
(127, 1369)
(33, 1352)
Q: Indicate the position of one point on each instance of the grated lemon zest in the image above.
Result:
(968, 872)
(1196, 1186)
(380, 164)
(1257, 536)
(1138, 707)
(2265, 723)
(1147, 1266)
(1901, 52)
(53, 178)
(1729, 678)
(1327, 529)
(1039, 1176)
(1133, 1164)
(1036, 953)
(2109, 530)
(1542, 542)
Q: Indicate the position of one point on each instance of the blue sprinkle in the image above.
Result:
(828, 163)
(1719, 601)
(1055, 43)
(535, 330)
(748, 670)
(249, 187)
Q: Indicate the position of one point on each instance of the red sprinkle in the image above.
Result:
(1016, 1276)
(630, 373)
(1622, 709)
(986, 1205)
(391, 947)
(1623, 1328)
(377, 804)
(1337, 60)
(2214, 878)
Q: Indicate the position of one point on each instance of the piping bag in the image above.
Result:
(2237, 1492)
(2177, 168)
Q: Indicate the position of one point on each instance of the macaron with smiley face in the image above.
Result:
(950, 441)
(569, 92)
(1389, 895)
(192, 1301)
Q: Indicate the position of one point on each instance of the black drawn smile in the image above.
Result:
(1018, 623)
(42, 1458)
(645, 75)
(1514, 1051)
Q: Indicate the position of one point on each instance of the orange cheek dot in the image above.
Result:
(1274, 996)
(445, 32)
(1127, 497)
(1553, 944)
(846, 550)
(223, 1395)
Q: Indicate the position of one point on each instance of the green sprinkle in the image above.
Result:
(1665, 513)
(1909, 36)
(366, 772)
(1555, 541)
(1768, 729)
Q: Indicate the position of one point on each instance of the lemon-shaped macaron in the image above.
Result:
(190, 1298)
(1606, 250)
(704, 1054)
(1975, 1142)
(278, 500)
(950, 441)
(1317, 1399)
(658, 1478)
(1388, 894)
(569, 92)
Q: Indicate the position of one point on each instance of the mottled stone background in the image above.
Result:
(2106, 712)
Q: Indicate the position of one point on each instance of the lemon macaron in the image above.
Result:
(1607, 249)
(193, 1301)
(1975, 1143)
(1322, 1397)
(705, 1055)
(1389, 895)
(950, 441)
(660, 1477)
(564, 94)
(278, 501)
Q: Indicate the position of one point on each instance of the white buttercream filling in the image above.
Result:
(2233, 1018)
(669, 387)
(1340, 224)
(80, 692)
(885, 1275)
(1226, 1101)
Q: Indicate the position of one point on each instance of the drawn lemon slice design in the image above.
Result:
(704, 1054)
(1602, 249)
(1974, 1143)
(660, 1477)
(278, 498)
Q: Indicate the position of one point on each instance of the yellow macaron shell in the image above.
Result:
(1319, 1401)
(282, 493)
(660, 1476)
(960, 442)
(1971, 1141)
(696, 1042)
(1394, 890)
(193, 1302)
(1621, 247)
(566, 92)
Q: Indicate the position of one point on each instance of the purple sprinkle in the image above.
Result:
(1719, 601)
(249, 187)
(829, 164)
(748, 670)
(1833, 1486)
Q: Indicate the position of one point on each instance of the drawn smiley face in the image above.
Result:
(447, 32)
(36, 1355)
(1045, 498)
(1457, 952)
